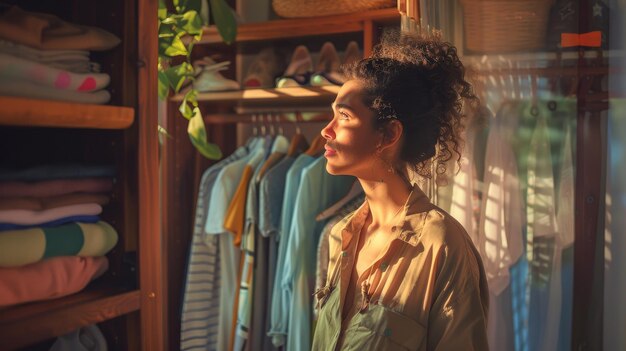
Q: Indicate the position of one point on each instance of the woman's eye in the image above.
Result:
(343, 115)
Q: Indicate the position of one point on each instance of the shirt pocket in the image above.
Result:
(393, 330)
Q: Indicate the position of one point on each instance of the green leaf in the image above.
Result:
(197, 135)
(164, 85)
(185, 108)
(177, 48)
(191, 97)
(162, 12)
(169, 20)
(192, 23)
(224, 20)
(178, 74)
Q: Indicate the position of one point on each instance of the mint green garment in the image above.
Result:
(318, 191)
(281, 297)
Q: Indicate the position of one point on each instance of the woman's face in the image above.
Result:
(351, 139)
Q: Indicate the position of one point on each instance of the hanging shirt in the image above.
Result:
(271, 194)
(247, 283)
(428, 291)
(463, 198)
(201, 302)
(261, 248)
(229, 256)
(540, 205)
(318, 190)
(543, 253)
(500, 240)
(500, 226)
(281, 298)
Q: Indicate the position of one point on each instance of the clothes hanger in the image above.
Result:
(298, 141)
(355, 190)
(254, 137)
(277, 154)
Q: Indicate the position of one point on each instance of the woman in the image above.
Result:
(403, 274)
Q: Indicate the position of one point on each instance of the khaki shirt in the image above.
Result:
(428, 287)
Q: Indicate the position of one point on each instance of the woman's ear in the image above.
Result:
(392, 134)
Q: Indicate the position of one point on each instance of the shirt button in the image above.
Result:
(383, 266)
(344, 253)
(393, 229)
(387, 332)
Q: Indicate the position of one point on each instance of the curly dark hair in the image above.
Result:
(419, 80)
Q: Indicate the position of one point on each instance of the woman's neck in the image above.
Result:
(385, 198)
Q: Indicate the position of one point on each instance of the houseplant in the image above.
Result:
(180, 27)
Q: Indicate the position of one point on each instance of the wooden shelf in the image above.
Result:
(274, 97)
(24, 112)
(302, 27)
(30, 323)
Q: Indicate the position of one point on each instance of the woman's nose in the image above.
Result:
(327, 132)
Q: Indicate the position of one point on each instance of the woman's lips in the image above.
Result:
(329, 151)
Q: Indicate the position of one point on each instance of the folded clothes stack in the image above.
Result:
(44, 57)
(52, 240)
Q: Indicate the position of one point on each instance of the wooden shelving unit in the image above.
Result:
(34, 322)
(26, 112)
(302, 27)
(39, 132)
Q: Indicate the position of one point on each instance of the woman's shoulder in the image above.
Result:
(436, 227)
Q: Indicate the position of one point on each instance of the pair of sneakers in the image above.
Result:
(301, 71)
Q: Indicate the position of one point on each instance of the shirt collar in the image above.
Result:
(404, 229)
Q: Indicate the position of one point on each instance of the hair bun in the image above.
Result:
(420, 78)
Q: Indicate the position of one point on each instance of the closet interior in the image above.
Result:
(103, 131)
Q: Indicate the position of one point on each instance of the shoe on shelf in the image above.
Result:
(327, 69)
(352, 54)
(208, 77)
(266, 66)
(298, 73)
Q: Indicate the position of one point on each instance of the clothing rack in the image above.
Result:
(270, 117)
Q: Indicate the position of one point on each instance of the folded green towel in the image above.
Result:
(20, 247)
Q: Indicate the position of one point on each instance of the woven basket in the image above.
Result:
(505, 25)
(317, 8)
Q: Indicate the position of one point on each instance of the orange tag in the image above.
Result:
(592, 39)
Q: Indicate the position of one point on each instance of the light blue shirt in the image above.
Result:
(318, 190)
(281, 298)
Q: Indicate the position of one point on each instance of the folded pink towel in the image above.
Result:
(49, 279)
(55, 187)
(30, 217)
(13, 68)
